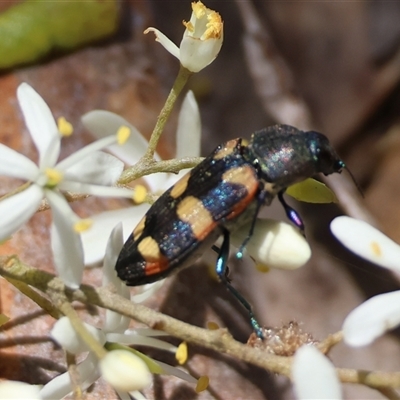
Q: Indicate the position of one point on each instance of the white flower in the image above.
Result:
(380, 313)
(101, 123)
(19, 390)
(314, 376)
(87, 171)
(115, 330)
(202, 39)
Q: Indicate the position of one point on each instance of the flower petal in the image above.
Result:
(314, 376)
(16, 210)
(188, 134)
(372, 319)
(65, 242)
(167, 43)
(170, 370)
(95, 239)
(65, 335)
(103, 123)
(125, 371)
(138, 340)
(274, 244)
(147, 291)
(19, 390)
(40, 122)
(196, 54)
(61, 385)
(367, 242)
(17, 165)
(114, 322)
(97, 168)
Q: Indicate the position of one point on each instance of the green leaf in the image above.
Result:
(3, 319)
(30, 30)
(312, 191)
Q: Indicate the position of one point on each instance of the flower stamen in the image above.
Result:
(54, 177)
(139, 194)
(182, 353)
(64, 127)
(202, 383)
(83, 225)
(123, 134)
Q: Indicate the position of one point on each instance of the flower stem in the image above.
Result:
(217, 340)
(145, 168)
(180, 82)
(62, 303)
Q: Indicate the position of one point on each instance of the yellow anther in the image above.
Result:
(262, 268)
(202, 383)
(64, 127)
(199, 9)
(83, 225)
(139, 194)
(123, 134)
(181, 354)
(214, 26)
(376, 249)
(188, 25)
(54, 177)
(212, 326)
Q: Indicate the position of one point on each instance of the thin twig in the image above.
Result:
(218, 340)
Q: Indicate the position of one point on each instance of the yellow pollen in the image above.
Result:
(212, 326)
(214, 26)
(376, 249)
(199, 9)
(83, 225)
(123, 134)
(202, 384)
(139, 194)
(262, 268)
(54, 177)
(188, 25)
(182, 353)
(64, 127)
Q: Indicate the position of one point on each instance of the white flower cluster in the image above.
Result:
(77, 242)
(87, 171)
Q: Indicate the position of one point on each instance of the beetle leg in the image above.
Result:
(291, 213)
(260, 202)
(222, 271)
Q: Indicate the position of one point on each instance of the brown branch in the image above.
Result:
(218, 340)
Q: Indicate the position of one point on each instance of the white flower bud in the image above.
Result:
(65, 335)
(274, 244)
(314, 376)
(125, 371)
(19, 390)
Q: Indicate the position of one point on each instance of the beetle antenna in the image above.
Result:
(355, 182)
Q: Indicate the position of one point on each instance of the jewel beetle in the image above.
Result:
(225, 191)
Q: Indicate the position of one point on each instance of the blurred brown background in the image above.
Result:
(330, 66)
